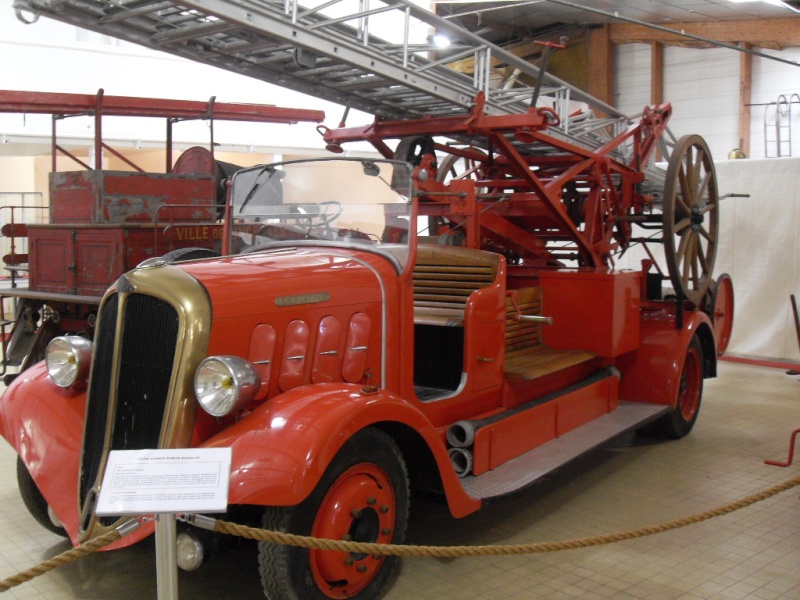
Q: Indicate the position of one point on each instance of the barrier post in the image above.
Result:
(166, 557)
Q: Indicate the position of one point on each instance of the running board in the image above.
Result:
(535, 464)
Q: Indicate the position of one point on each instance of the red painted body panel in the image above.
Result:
(123, 196)
(262, 355)
(86, 260)
(51, 253)
(519, 392)
(505, 439)
(597, 312)
(44, 425)
(326, 354)
(282, 449)
(651, 373)
(579, 407)
(508, 438)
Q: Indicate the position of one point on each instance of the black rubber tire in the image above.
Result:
(34, 501)
(680, 421)
(286, 572)
(182, 254)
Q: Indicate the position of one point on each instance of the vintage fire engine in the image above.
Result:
(418, 322)
(104, 222)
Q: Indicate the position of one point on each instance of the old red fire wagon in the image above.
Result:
(374, 327)
(102, 222)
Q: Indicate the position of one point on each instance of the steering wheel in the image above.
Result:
(321, 215)
(277, 233)
(326, 218)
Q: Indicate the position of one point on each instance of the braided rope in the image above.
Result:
(301, 541)
(62, 559)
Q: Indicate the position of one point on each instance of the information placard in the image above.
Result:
(143, 482)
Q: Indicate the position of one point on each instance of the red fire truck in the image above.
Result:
(378, 326)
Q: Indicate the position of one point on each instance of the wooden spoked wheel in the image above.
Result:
(457, 167)
(691, 218)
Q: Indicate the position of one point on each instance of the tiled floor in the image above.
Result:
(747, 415)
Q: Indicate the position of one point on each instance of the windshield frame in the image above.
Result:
(398, 251)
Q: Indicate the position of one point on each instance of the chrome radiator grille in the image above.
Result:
(127, 413)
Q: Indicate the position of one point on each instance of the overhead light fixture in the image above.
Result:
(788, 5)
(441, 41)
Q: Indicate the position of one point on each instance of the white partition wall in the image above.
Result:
(760, 249)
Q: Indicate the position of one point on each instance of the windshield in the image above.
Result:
(352, 202)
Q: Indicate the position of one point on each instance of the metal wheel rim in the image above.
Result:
(359, 506)
(691, 218)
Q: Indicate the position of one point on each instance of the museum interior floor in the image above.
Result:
(747, 415)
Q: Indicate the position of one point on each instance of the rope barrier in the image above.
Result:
(62, 559)
(311, 543)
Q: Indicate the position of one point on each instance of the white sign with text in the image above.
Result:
(143, 482)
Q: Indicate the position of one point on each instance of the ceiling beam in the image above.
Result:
(766, 33)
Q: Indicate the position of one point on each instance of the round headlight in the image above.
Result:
(68, 358)
(224, 384)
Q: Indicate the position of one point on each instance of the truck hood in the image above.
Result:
(286, 278)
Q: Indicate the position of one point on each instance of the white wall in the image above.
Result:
(631, 78)
(772, 79)
(703, 87)
(759, 244)
(760, 249)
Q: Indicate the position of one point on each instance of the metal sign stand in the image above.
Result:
(166, 557)
(165, 483)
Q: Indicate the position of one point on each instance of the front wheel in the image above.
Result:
(363, 496)
(35, 502)
(680, 421)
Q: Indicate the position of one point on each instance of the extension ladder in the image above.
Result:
(331, 50)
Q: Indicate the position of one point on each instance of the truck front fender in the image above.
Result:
(652, 372)
(44, 424)
(281, 450)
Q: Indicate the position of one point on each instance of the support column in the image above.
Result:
(657, 82)
(601, 65)
(745, 93)
(656, 73)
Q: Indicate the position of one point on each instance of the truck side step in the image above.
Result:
(535, 464)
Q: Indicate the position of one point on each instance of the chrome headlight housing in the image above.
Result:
(224, 384)
(68, 360)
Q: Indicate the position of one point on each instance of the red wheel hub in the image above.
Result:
(360, 507)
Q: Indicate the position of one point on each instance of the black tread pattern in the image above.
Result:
(34, 501)
(284, 570)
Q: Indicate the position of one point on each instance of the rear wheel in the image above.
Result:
(363, 496)
(680, 421)
(720, 311)
(35, 502)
